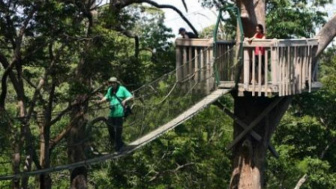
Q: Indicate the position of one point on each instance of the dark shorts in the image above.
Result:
(115, 121)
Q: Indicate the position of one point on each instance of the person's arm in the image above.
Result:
(128, 96)
(104, 99)
(185, 36)
(126, 100)
(250, 39)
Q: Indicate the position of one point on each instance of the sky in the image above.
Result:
(200, 17)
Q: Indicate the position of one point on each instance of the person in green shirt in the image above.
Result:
(117, 96)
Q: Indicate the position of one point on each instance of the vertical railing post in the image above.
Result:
(178, 64)
(310, 57)
(274, 63)
(266, 72)
(246, 75)
(211, 71)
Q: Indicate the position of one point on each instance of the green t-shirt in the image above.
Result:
(116, 107)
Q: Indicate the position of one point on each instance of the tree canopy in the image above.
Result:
(56, 55)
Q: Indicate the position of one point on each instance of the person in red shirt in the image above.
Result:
(259, 51)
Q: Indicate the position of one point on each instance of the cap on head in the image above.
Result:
(113, 80)
(181, 30)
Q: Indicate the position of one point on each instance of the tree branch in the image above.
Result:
(122, 4)
(130, 35)
(67, 109)
(326, 35)
(158, 174)
(42, 82)
(8, 68)
(185, 5)
(59, 137)
(301, 181)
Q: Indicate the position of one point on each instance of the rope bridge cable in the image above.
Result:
(159, 106)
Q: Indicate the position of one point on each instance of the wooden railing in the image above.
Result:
(194, 62)
(285, 67)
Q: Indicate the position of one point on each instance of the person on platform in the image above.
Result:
(186, 35)
(259, 53)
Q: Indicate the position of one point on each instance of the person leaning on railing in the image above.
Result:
(258, 51)
(186, 35)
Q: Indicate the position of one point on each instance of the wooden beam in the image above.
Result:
(254, 123)
(244, 126)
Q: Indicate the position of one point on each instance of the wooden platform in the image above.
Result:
(269, 88)
(286, 65)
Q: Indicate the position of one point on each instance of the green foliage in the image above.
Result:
(157, 52)
(293, 19)
(300, 142)
(5, 127)
(285, 18)
(179, 159)
(57, 41)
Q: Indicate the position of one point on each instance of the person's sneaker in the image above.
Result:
(91, 152)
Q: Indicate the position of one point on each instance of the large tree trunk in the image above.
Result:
(249, 154)
(76, 136)
(75, 140)
(252, 13)
(45, 180)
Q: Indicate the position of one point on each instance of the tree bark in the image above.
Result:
(78, 179)
(76, 135)
(325, 36)
(252, 13)
(249, 155)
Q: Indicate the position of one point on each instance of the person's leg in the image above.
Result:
(254, 70)
(263, 71)
(110, 127)
(118, 133)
